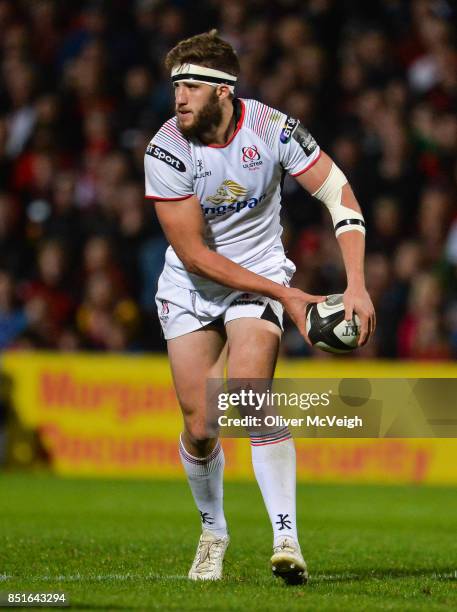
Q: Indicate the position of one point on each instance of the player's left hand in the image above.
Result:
(357, 300)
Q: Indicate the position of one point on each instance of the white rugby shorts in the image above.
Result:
(183, 310)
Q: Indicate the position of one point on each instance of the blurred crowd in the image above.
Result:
(83, 89)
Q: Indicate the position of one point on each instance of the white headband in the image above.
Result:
(192, 72)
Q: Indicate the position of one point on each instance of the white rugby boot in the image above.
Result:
(208, 560)
(288, 563)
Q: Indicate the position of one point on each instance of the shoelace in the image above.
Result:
(284, 546)
(204, 555)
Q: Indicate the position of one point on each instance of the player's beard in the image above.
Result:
(207, 119)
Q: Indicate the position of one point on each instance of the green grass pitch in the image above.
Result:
(127, 545)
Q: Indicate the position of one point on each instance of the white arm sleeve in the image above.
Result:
(330, 192)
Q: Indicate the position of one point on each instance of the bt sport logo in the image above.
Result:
(165, 156)
(288, 129)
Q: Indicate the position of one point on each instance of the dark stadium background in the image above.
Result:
(83, 89)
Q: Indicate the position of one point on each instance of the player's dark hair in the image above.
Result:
(206, 49)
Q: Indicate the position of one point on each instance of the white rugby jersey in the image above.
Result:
(238, 185)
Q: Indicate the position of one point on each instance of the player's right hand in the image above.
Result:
(295, 303)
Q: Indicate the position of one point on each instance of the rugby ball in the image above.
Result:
(327, 328)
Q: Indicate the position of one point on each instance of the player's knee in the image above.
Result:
(198, 434)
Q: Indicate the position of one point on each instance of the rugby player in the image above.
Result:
(214, 172)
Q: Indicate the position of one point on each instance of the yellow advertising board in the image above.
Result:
(115, 415)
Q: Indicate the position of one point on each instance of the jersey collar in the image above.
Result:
(239, 110)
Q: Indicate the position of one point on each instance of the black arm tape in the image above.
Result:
(349, 222)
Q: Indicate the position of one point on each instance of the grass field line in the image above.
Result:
(140, 577)
(96, 577)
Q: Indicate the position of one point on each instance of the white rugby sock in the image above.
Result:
(274, 463)
(205, 476)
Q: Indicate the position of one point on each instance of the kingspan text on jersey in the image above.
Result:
(235, 207)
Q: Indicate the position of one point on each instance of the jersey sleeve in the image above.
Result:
(168, 166)
(298, 150)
